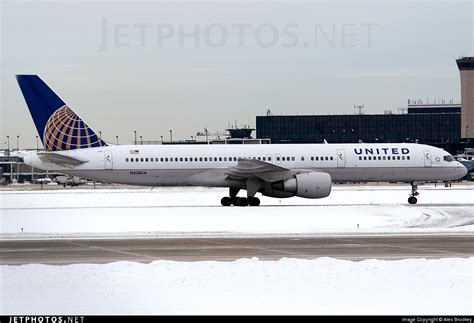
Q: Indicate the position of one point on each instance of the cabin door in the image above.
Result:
(108, 160)
(427, 158)
(341, 158)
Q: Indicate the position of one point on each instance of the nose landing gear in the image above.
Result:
(414, 192)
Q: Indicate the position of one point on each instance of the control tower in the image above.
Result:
(466, 69)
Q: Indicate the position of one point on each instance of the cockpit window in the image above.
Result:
(448, 158)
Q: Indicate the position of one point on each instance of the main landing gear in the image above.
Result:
(414, 192)
(232, 199)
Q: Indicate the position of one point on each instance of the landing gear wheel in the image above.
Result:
(226, 201)
(241, 201)
(254, 201)
(412, 200)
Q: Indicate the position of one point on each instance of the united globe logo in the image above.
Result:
(65, 130)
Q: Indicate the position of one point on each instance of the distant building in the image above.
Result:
(437, 129)
(466, 71)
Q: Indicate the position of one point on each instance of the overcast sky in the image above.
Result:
(155, 66)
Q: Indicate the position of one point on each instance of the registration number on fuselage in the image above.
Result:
(138, 172)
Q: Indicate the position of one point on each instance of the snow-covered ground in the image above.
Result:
(191, 211)
(246, 286)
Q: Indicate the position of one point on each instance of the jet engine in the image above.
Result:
(311, 185)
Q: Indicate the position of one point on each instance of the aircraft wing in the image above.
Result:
(251, 168)
(61, 159)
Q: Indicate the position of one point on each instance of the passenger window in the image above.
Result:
(398, 157)
(408, 157)
(185, 159)
(327, 158)
(269, 158)
(141, 159)
(205, 159)
(292, 158)
(312, 158)
(161, 159)
(302, 158)
(131, 160)
(383, 157)
(365, 157)
(200, 158)
(322, 158)
(278, 158)
(370, 157)
(263, 158)
(403, 157)
(225, 158)
(360, 157)
(332, 158)
(220, 158)
(126, 160)
(380, 158)
(235, 158)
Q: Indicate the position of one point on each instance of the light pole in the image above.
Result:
(192, 138)
(116, 137)
(171, 135)
(141, 140)
(205, 130)
(100, 135)
(135, 132)
(8, 145)
(37, 145)
(161, 139)
(17, 142)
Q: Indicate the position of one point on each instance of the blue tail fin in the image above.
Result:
(58, 126)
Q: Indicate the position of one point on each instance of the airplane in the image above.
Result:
(274, 170)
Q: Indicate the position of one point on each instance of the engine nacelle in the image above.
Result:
(312, 185)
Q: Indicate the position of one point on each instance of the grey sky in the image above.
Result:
(186, 66)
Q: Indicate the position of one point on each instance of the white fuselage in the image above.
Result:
(168, 165)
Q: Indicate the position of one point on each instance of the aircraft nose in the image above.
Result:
(462, 170)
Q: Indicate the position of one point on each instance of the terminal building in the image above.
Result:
(446, 125)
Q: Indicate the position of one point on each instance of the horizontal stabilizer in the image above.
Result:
(61, 159)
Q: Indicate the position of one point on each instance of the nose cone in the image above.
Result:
(461, 170)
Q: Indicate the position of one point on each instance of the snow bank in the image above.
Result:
(246, 286)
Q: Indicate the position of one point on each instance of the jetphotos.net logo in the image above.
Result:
(122, 35)
(46, 319)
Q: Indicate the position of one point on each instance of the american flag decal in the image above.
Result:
(134, 151)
